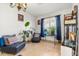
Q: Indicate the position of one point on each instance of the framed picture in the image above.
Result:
(39, 22)
(20, 17)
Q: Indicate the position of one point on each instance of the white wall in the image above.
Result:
(9, 23)
(62, 12)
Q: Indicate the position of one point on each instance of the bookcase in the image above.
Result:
(70, 31)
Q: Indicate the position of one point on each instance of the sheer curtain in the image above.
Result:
(50, 23)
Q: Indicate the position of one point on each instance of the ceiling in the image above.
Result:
(41, 9)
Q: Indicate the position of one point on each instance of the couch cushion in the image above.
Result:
(10, 40)
(2, 43)
(16, 45)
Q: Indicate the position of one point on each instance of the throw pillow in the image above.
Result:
(2, 42)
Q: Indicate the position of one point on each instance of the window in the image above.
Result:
(50, 25)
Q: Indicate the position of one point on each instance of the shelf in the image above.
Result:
(70, 26)
(70, 21)
(70, 44)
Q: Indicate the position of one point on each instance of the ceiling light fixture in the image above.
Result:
(19, 6)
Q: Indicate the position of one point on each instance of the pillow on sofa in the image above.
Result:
(19, 38)
(10, 40)
(2, 43)
(7, 42)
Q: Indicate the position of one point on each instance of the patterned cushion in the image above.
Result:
(10, 40)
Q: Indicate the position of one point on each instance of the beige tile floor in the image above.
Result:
(44, 48)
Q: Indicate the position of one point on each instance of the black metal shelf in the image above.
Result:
(71, 26)
(71, 44)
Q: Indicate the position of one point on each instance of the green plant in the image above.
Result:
(25, 33)
(27, 23)
(52, 30)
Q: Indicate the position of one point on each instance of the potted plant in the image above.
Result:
(26, 33)
(52, 30)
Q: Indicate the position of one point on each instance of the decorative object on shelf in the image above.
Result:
(73, 21)
(74, 12)
(67, 17)
(72, 36)
(20, 17)
(76, 8)
(19, 6)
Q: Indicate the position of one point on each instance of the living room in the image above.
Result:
(28, 24)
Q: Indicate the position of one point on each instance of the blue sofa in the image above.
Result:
(36, 38)
(13, 48)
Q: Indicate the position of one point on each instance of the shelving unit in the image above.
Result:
(70, 31)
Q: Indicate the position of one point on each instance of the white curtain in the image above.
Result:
(49, 22)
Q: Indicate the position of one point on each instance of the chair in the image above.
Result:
(36, 37)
